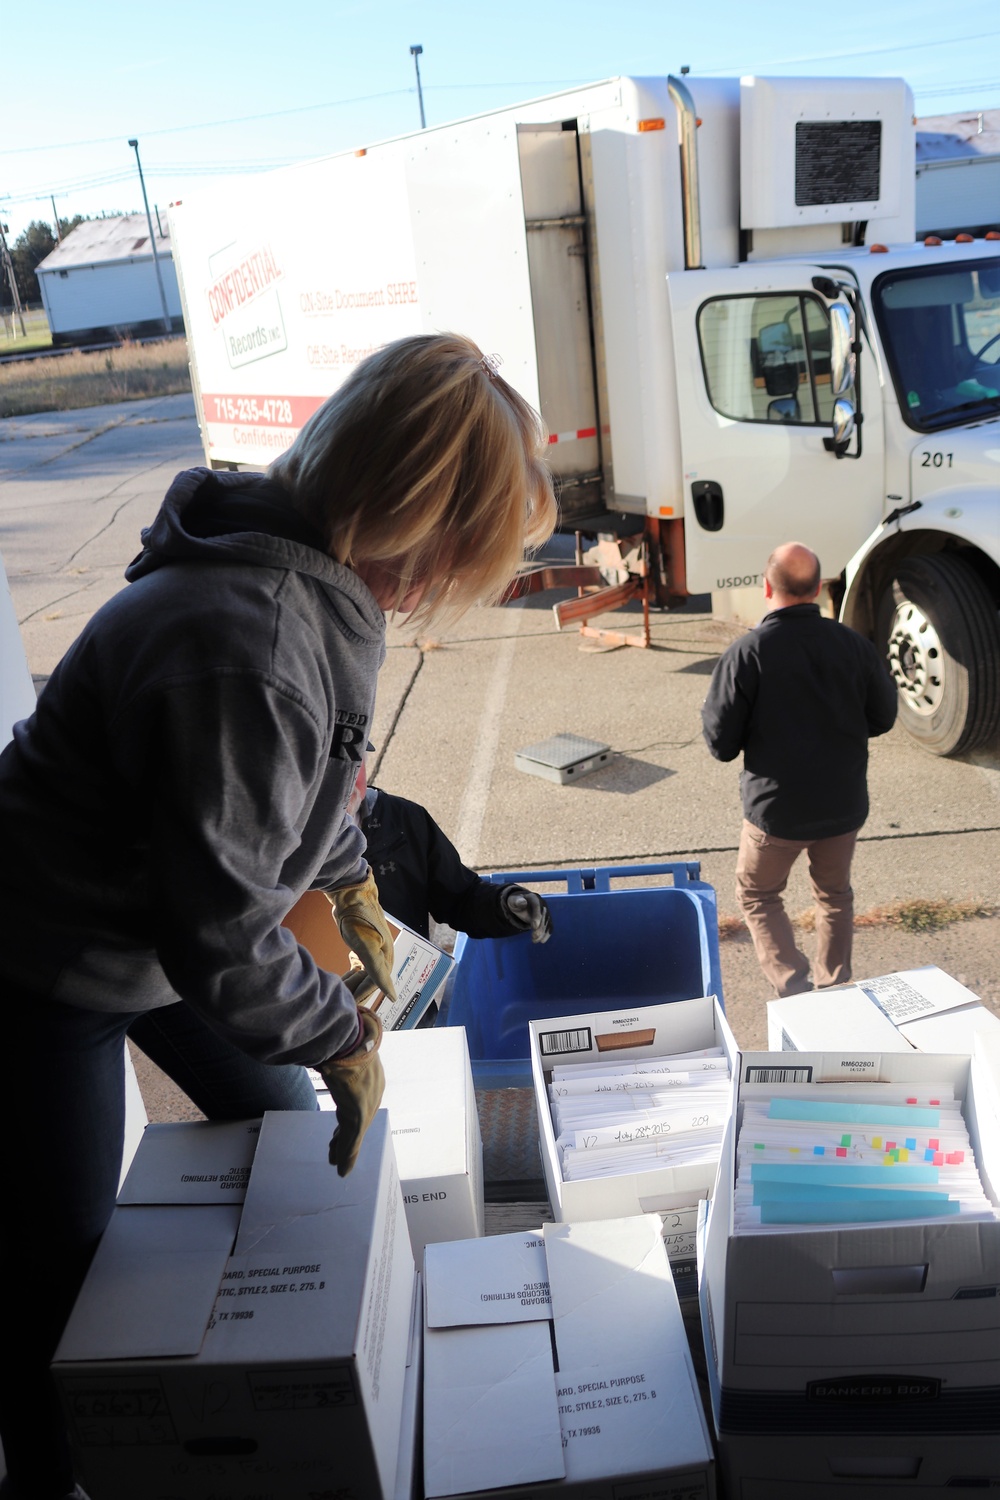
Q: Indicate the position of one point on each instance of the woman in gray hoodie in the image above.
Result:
(184, 780)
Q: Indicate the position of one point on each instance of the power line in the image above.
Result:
(493, 84)
(860, 52)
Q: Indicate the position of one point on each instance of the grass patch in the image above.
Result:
(66, 382)
(36, 332)
(926, 914)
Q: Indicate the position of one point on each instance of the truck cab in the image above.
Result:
(918, 480)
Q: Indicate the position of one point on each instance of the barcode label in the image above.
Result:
(778, 1075)
(551, 1042)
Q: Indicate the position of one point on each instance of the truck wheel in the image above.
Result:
(940, 630)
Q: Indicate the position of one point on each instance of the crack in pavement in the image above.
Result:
(404, 696)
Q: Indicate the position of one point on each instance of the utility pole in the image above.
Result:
(52, 200)
(8, 265)
(152, 240)
(415, 53)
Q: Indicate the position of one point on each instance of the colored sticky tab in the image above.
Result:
(758, 1146)
(818, 1150)
(876, 1143)
(911, 1143)
(889, 1161)
(933, 1142)
(911, 1101)
(955, 1158)
(842, 1172)
(821, 1192)
(845, 1140)
(939, 1158)
(902, 1154)
(890, 1145)
(935, 1101)
(841, 1113)
(855, 1212)
(928, 1155)
(841, 1151)
(793, 1150)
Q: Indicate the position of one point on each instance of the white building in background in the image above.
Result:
(101, 281)
(958, 173)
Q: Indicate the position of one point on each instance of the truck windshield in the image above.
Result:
(941, 331)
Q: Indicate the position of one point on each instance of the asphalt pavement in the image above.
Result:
(454, 707)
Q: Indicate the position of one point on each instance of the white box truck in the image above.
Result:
(711, 290)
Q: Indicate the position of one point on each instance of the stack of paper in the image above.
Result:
(638, 1116)
(866, 1154)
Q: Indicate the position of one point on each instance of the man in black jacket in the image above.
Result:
(800, 696)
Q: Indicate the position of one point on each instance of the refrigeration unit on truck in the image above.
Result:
(711, 291)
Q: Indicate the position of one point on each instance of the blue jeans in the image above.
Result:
(62, 1111)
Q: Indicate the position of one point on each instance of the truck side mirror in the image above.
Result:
(843, 422)
(842, 358)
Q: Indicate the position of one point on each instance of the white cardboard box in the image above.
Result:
(923, 1008)
(431, 1099)
(801, 1327)
(869, 1465)
(192, 1366)
(192, 1161)
(408, 1467)
(630, 1035)
(419, 966)
(619, 1417)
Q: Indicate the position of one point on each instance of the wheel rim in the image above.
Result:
(916, 659)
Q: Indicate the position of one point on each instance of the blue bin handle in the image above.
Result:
(578, 882)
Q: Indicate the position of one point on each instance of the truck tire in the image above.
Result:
(940, 630)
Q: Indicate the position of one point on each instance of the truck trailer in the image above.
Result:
(711, 291)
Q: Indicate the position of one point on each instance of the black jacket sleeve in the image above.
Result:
(418, 870)
(725, 714)
(882, 699)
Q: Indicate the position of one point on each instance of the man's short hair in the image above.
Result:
(798, 582)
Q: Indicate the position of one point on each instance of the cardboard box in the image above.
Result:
(198, 1367)
(638, 1033)
(431, 1100)
(410, 1464)
(807, 1327)
(419, 970)
(843, 1466)
(923, 1008)
(614, 1414)
(193, 1161)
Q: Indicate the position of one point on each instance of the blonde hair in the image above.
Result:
(428, 463)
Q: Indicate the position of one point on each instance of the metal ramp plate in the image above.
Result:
(563, 758)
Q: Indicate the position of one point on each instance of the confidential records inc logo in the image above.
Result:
(874, 1388)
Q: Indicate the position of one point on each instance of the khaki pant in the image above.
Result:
(762, 869)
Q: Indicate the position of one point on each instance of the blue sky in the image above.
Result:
(213, 89)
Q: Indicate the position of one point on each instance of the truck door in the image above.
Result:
(752, 347)
(555, 226)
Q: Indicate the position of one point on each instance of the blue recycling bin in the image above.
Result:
(614, 944)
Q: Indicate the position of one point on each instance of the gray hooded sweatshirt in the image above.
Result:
(185, 775)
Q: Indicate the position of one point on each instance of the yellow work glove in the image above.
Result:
(361, 984)
(356, 1083)
(363, 927)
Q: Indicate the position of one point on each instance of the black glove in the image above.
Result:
(526, 911)
(356, 1083)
